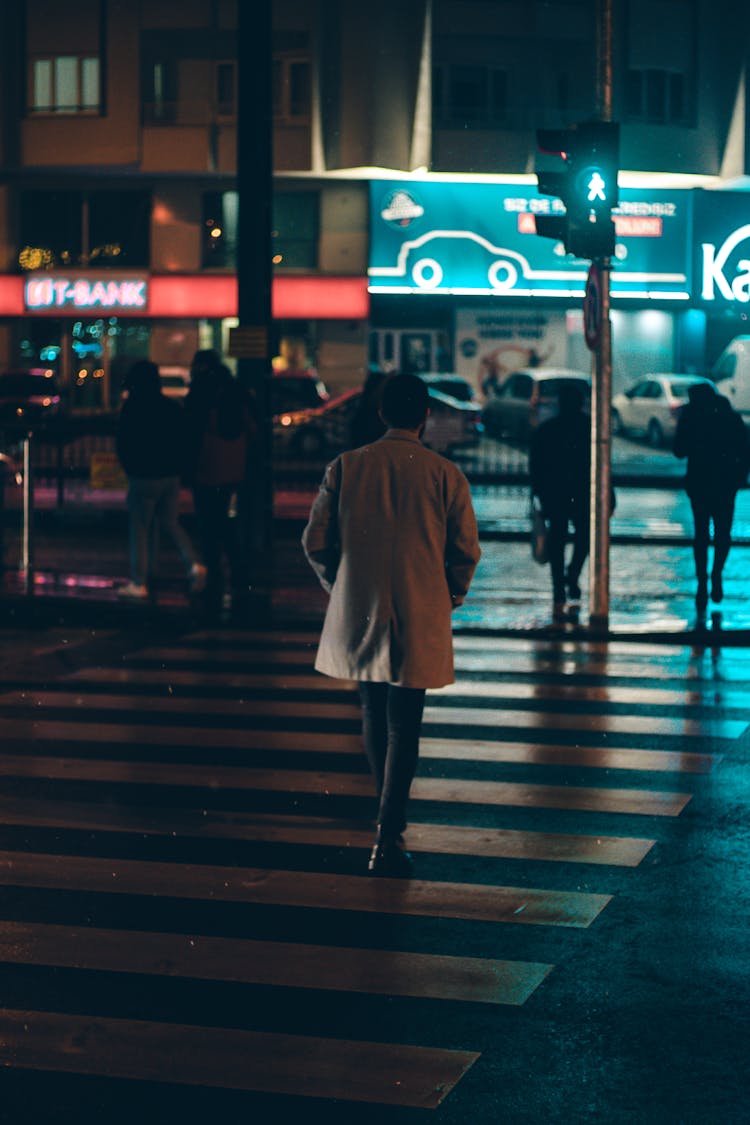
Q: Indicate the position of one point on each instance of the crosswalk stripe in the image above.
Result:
(644, 802)
(313, 890)
(280, 963)
(535, 719)
(591, 757)
(499, 843)
(392, 1074)
(246, 740)
(486, 659)
(479, 689)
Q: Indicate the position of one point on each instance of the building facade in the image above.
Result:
(403, 195)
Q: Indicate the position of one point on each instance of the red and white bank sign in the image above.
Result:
(93, 293)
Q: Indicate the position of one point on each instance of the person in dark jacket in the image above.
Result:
(713, 438)
(221, 427)
(150, 443)
(367, 424)
(560, 470)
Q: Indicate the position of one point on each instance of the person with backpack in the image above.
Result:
(221, 427)
(712, 437)
(150, 442)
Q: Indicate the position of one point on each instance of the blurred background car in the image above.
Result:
(450, 384)
(650, 407)
(316, 432)
(526, 399)
(299, 390)
(323, 431)
(452, 423)
(28, 397)
(175, 381)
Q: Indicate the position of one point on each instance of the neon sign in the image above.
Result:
(92, 293)
(714, 262)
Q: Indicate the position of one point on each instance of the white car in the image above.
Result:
(651, 407)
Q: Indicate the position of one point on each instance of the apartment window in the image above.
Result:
(226, 89)
(219, 230)
(71, 229)
(295, 230)
(292, 93)
(657, 96)
(469, 96)
(65, 84)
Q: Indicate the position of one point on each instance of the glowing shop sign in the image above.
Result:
(732, 288)
(85, 293)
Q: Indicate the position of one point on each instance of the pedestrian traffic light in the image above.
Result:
(587, 186)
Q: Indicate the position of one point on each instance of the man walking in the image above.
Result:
(393, 538)
(713, 438)
(560, 468)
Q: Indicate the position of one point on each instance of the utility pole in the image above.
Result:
(601, 398)
(250, 342)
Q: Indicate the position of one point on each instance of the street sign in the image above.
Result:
(592, 308)
(248, 341)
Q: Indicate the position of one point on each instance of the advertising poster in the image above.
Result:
(479, 239)
(491, 344)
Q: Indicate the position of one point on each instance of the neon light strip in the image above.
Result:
(405, 290)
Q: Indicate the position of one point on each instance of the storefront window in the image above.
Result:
(75, 229)
(295, 230)
(219, 229)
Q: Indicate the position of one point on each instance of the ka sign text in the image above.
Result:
(715, 280)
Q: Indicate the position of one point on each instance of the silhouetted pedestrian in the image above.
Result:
(221, 427)
(560, 469)
(367, 424)
(713, 438)
(393, 537)
(150, 444)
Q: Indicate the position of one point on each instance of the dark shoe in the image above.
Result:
(574, 590)
(701, 595)
(389, 858)
(558, 611)
(717, 588)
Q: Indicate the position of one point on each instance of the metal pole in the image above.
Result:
(27, 544)
(254, 269)
(601, 459)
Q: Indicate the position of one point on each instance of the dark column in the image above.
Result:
(254, 186)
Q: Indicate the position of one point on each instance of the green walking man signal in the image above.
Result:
(587, 186)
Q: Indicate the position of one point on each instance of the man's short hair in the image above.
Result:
(405, 402)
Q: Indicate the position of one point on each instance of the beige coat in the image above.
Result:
(393, 537)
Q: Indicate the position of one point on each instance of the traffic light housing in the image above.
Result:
(587, 186)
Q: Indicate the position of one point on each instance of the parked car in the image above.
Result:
(298, 390)
(452, 423)
(650, 407)
(731, 374)
(527, 398)
(317, 431)
(450, 384)
(28, 397)
(324, 431)
(175, 381)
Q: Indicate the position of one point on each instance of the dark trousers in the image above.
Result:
(558, 536)
(220, 538)
(391, 724)
(719, 509)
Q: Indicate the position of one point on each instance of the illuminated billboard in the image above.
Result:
(479, 239)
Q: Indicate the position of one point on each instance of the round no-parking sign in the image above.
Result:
(592, 308)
